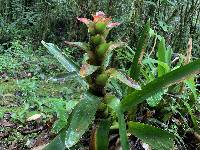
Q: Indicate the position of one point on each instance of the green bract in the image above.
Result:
(101, 49)
(100, 27)
(102, 79)
(97, 39)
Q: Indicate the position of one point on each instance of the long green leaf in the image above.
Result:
(142, 44)
(101, 139)
(58, 142)
(114, 103)
(156, 98)
(66, 62)
(162, 54)
(162, 82)
(155, 137)
(82, 115)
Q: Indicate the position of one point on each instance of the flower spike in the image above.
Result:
(99, 18)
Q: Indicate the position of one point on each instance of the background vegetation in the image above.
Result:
(32, 81)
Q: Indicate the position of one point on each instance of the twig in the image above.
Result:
(154, 45)
(197, 136)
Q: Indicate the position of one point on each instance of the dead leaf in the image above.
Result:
(35, 117)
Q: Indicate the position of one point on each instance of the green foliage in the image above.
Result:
(66, 62)
(157, 138)
(114, 104)
(82, 115)
(57, 143)
(140, 50)
(62, 109)
(28, 84)
(101, 136)
(162, 82)
(97, 78)
(161, 57)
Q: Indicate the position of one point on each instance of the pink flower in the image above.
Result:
(84, 20)
(99, 17)
(113, 24)
(100, 13)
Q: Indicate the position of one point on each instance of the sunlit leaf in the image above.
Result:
(161, 64)
(63, 109)
(150, 3)
(66, 62)
(192, 86)
(82, 115)
(155, 137)
(163, 25)
(155, 99)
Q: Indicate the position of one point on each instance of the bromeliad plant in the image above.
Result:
(95, 76)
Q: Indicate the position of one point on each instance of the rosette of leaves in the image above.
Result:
(94, 75)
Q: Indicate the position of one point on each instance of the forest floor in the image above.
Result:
(30, 99)
(34, 90)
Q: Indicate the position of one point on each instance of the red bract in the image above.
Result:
(100, 17)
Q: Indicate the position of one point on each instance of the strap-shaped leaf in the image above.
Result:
(66, 62)
(82, 45)
(87, 69)
(162, 57)
(58, 142)
(155, 137)
(82, 115)
(142, 44)
(114, 103)
(162, 82)
(100, 139)
(123, 78)
(109, 53)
